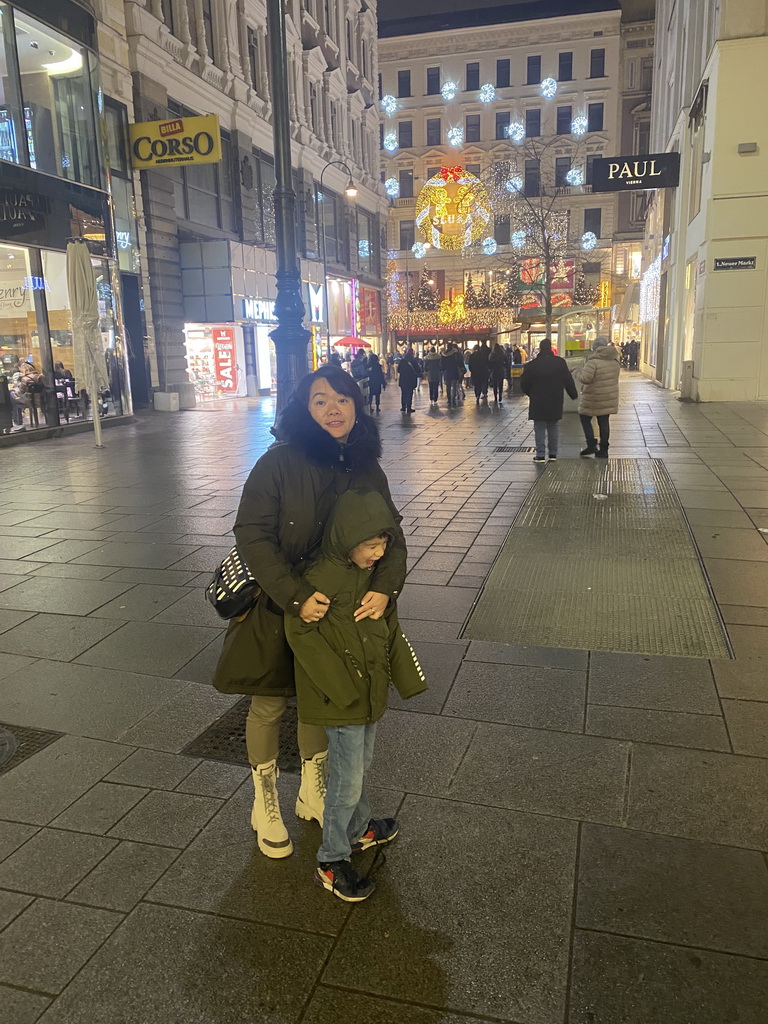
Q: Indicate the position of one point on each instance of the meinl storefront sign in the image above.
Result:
(736, 263)
(635, 173)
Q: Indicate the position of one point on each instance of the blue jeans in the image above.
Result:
(347, 811)
(548, 430)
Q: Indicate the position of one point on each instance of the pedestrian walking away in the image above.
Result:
(478, 368)
(499, 367)
(326, 443)
(599, 380)
(345, 662)
(433, 371)
(408, 378)
(452, 364)
(376, 381)
(544, 380)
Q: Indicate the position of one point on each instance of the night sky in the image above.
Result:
(392, 9)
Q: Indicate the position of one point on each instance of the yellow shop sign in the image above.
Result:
(184, 140)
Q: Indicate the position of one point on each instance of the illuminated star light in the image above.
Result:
(419, 250)
(489, 246)
(588, 240)
(364, 248)
(514, 184)
(487, 93)
(392, 187)
(516, 131)
(517, 239)
(388, 104)
(390, 142)
(575, 176)
(449, 91)
(456, 135)
(579, 126)
(549, 88)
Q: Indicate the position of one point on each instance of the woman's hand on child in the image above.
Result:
(372, 606)
(314, 608)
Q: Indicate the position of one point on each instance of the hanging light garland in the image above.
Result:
(516, 131)
(487, 93)
(549, 88)
(388, 104)
(390, 142)
(575, 176)
(449, 90)
(456, 135)
(392, 188)
(579, 125)
(514, 184)
(518, 239)
(419, 250)
(588, 240)
(489, 246)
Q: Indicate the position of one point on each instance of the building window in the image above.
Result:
(253, 59)
(405, 134)
(593, 221)
(502, 123)
(565, 67)
(562, 166)
(533, 123)
(534, 71)
(472, 128)
(597, 64)
(328, 18)
(403, 83)
(350, 46)
(432, 172)
(433, 81)
(501, 230)
(473, 76)
(564, 118)
(502, 73)
(590, 167)
(328, 224)
(167, 9)
(314, 109)
(532, 181)
(434, 132)
(381, 136)
(116, 135)
(474, 169)
(208, 28)
(595, 113)
(406, 184)
(365, 241)
(406, 234)
(381, 87)
(646, 74)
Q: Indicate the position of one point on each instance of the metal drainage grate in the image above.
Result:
(225, 739)
(25, 743)
(504, 449)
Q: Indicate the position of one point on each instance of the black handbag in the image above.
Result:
(233, 590)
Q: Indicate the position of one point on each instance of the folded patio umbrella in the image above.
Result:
(88, 348)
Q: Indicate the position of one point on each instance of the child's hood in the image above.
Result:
(358, 515)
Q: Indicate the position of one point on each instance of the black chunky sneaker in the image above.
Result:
(340, 878)
(379, 832)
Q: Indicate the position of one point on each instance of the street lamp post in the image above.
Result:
(290, 336)
(350, 191)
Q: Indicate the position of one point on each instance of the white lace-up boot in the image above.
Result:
(266, 820)
(314, 775)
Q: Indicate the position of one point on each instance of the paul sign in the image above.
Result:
(184, 140)
(634, 173)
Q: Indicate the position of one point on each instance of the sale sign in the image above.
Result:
(224, 361)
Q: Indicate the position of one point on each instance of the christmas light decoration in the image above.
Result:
(517, 238)
(449, 90)
(650, 292)
(489, 246)
(549, 88)
(575, 176)
(419, 250)
(588, 240)
(364, 248)
(392, 187)
(390, 142)
(579, 126)
(456, 135)
(452, 315)
(516, 131)
(487, 93)
(453, 209)
(388, 104)
(514, 184)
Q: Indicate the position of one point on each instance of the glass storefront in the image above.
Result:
(215, 360)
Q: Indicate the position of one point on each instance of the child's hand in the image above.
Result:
(314, 608)
(372, 606)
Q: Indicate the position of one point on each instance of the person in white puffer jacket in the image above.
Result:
(599, 379)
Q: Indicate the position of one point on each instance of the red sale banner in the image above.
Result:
(224, 359)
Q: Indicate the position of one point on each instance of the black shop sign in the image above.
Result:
(735, 262)
(634, 173)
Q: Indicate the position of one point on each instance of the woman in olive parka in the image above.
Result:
(326, 443)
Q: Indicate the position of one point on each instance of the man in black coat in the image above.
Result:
(544, 380)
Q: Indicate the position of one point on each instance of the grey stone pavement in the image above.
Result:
(611, 871)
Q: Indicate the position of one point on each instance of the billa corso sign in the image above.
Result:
(632, 173)
(184, 140)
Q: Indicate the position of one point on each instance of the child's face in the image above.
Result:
(367, 554)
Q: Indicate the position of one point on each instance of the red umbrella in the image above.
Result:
(351, 342)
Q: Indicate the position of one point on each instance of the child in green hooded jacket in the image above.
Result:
(343, 669)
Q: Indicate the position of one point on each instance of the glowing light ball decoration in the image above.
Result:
(575, 176)
(514, 184)
(516, 131)
(579, 125)
(456, 135)
(588, 240)
(517, 238)
(549, 88)
(449, 90)
(388, 104)
(453, 209)
(392, 188)
(489, 246)
(419, 250)
(364, 248)
(390, 142)
(487, 93)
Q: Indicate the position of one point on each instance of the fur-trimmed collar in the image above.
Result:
(295, 426)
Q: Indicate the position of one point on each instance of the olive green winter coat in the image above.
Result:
(343, 668)
(286, 503)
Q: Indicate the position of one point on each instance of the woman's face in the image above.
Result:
(335, 413)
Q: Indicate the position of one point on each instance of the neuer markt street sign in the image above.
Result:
(633, 173)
